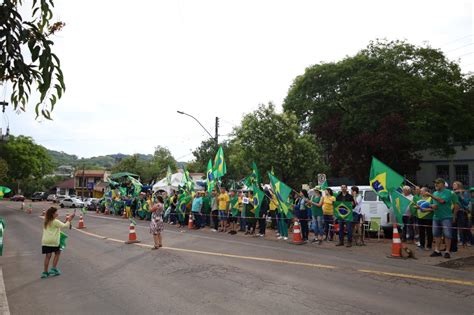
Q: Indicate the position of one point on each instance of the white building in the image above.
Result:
(459, 166)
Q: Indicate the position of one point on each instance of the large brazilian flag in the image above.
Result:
(258, 196)
(399, 204)
(383, 180)
(343, 210)
(3, 191)
(234, 206)
(220, 168)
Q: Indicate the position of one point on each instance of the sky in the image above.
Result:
(130, 65)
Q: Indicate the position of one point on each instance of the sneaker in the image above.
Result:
(213, 230)
(278, 234)
(285, 238)
(314, 241)
(447, 255)
(54, 272)
(279, 237)
(44, 275)
(436, 254)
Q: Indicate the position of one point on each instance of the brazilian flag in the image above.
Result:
(343, 210)
(258, 196)
(210, 177)
(220, 168)
(383, 180)
(254, 178)
(282, 192)
(234, 206)
(399, 205)
(3, 191)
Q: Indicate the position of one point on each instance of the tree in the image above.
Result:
(390, 100)
(273, 140)
(26, 57)
(3, 171)
(25, 159)
(157, 167)
(148, 170)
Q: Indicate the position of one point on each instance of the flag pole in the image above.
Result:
(410, 182)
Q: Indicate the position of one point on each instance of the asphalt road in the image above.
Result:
(201, 272)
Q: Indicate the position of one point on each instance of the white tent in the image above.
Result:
(176, 180)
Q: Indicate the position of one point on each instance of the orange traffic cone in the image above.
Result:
(132, 236)
(190, 222)
(81, 225)
(297, 239)
(396, 243)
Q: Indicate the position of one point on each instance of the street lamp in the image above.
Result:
(216, 138)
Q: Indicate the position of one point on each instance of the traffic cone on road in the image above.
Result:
(132, 236)
(190, 221)
(297, 239)
(396, 243)
(81, 225)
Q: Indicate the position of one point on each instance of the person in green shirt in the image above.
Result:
(441, 201)
(50, 240)
(424, 214)
(317, 216)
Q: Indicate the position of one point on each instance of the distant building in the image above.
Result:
(459, 166)
(86, 181)
(65, 188)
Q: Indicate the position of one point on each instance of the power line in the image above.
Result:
(459, 47)
(456, 40)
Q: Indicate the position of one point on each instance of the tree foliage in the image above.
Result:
(26, 57)
(269, 139)
(390, 100)
(148, 170)
(24, 159)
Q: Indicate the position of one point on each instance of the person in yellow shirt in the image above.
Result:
(328, 213)
(50, 240)
(223, 201)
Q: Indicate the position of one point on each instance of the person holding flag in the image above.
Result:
(235, 202)
(441, 202)
(50, 240)
(345, 197)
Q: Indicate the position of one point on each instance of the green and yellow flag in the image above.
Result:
(137, 186)
(220, 168)
(210, 177)
(3, 191)
(399, 205)
(234, 206)
(343, 210)
(383, 180)
(254, 178)
(258, 196)
(282, 192)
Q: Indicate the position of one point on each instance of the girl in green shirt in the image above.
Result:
(50, 240)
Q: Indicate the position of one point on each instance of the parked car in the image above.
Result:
(39, 196)
(52, 198)
(17, 198)
(71, 203)
(60, 198)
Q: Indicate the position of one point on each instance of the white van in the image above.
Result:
(372, 206)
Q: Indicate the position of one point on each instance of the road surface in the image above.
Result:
(200, 272)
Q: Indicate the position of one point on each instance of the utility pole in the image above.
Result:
(83, 181)
(217, 131)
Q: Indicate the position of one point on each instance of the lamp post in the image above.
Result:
(216, 137)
